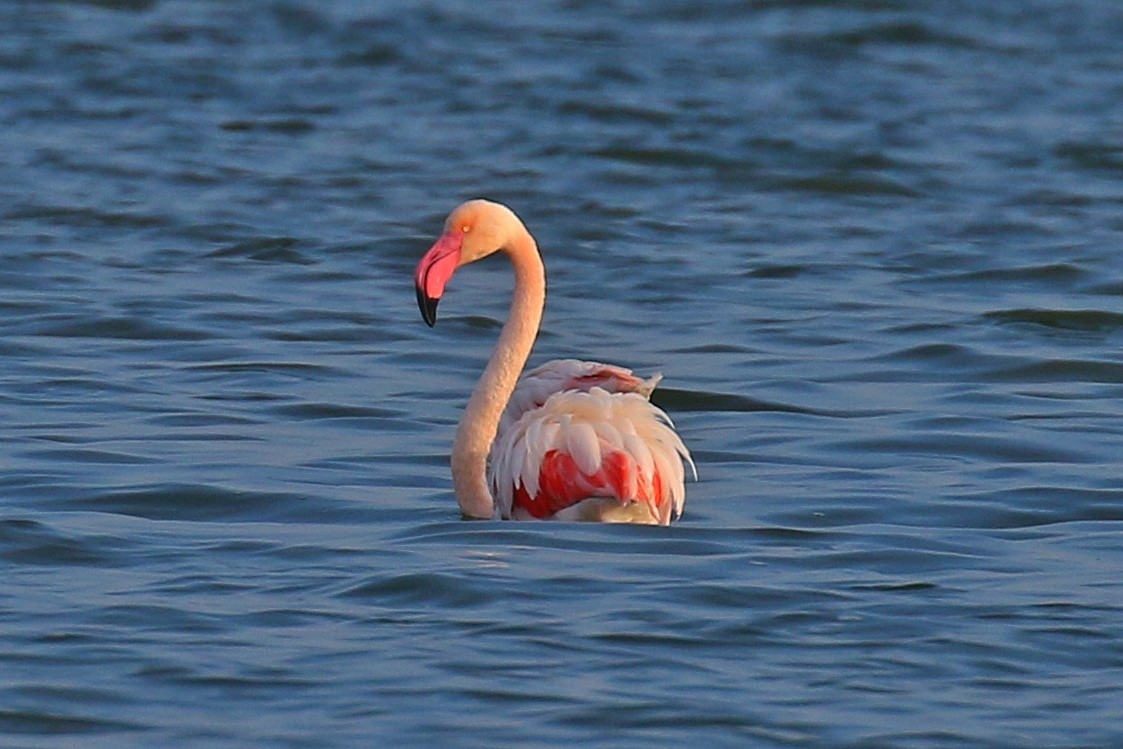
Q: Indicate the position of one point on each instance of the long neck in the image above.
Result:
(481, 416)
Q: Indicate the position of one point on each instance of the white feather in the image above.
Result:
(638, 449)
(583, 446)
(608, 412)
(537, 385)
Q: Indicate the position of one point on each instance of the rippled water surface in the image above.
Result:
(874, 246)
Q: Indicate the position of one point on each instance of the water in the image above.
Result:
(874, 247)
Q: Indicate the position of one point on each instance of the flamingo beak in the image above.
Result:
(428, 307)
(433, 273)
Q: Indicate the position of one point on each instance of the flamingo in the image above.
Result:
(571, 440)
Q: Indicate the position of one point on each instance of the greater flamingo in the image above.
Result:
(574, 440)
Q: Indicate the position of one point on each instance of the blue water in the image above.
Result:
(874, 247)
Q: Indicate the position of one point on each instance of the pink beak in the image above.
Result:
(433, 273)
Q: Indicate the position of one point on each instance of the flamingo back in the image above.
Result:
(559, 375)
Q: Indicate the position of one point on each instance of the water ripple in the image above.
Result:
(1064, 319)
(873, 246)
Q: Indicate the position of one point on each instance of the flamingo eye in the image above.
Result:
(466, 228)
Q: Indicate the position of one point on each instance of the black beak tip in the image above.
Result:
(428, 307)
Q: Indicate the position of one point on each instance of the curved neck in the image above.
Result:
(481, 416)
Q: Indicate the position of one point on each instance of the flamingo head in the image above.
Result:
(474, 230)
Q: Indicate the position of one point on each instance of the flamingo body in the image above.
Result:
(571, 440)
(597, 445)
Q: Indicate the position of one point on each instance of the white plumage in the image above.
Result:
(558, 375)
(588, 426)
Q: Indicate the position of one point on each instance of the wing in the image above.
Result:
(579, 445)
(559, 375)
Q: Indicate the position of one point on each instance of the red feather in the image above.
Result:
(561, 484)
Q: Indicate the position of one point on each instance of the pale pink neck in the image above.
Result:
(481, 416)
